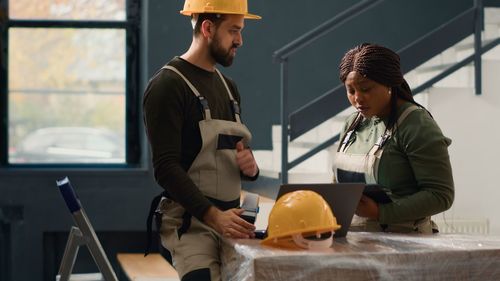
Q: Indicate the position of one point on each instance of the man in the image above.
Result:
(199, 145)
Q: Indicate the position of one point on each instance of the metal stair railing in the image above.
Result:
(284, 53)
(450, 70)
(412, 55)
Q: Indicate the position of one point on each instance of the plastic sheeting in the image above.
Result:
(368, 256)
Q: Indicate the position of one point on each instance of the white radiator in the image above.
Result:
(466, 226)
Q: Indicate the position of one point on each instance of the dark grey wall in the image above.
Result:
(117, 200)
(313, 70)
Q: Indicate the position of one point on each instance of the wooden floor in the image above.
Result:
(150, 268)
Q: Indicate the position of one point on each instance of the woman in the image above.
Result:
(391, 141)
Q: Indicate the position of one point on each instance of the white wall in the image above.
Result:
(472, 122)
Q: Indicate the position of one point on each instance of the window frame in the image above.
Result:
(131, 25)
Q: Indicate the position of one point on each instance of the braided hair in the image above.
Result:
(381, 65)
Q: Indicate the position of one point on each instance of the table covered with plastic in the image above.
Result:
(368, 256)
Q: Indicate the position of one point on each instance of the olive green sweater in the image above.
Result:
(415, 165)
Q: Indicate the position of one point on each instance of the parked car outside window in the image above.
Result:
(70, 145)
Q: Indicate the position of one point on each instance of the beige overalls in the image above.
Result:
(364, 168)
(192, 244)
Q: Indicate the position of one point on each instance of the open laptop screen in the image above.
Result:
(342, 198)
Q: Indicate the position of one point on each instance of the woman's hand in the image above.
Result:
(367, 208)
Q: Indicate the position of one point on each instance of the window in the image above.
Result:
(68, 91)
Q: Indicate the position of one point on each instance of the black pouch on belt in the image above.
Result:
(186, 217)
(157, 216)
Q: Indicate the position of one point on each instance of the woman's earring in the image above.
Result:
(390, 92)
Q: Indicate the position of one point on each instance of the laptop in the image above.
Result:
(343, 199)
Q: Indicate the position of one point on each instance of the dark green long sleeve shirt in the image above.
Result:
(415, 166)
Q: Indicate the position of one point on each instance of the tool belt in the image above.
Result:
(155, 213)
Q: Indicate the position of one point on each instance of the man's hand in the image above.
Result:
(229, 223)
(245, 160)
(367, 208)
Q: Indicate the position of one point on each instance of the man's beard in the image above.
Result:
(221, 56)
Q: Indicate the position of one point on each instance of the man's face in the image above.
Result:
(226, 39)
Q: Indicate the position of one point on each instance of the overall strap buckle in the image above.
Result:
(205, 108)
(380, 142)
(236, 107)
(236, 110)
(383, 139)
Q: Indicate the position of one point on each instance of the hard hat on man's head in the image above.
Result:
(236, 7)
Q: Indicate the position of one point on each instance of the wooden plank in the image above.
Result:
(154, 266)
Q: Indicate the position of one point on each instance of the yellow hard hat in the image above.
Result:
(303, 213)
(237, 7)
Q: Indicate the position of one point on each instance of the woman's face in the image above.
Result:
(367, 96)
